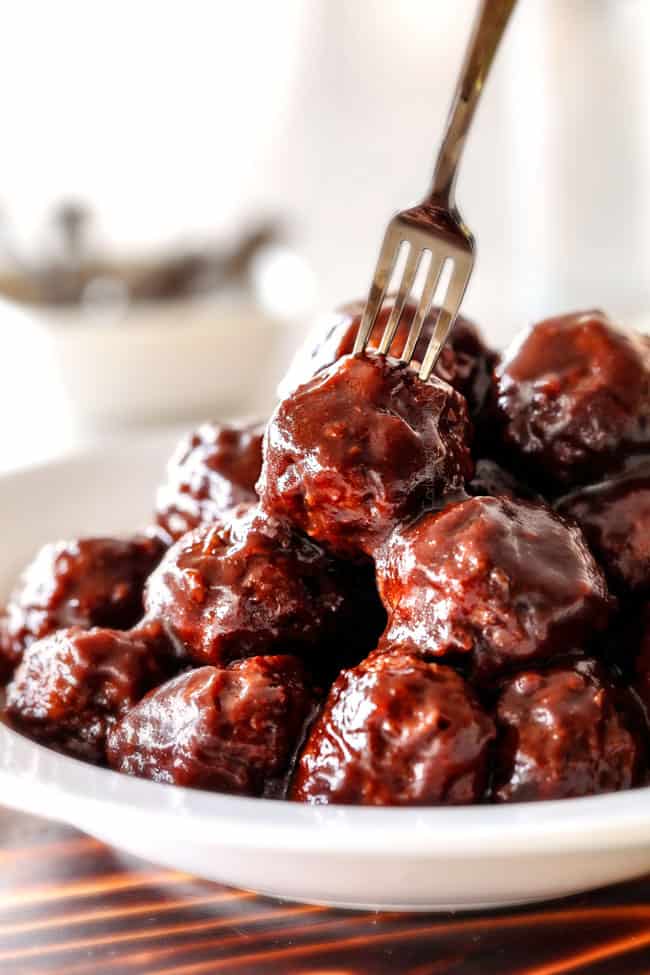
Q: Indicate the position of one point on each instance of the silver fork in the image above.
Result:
(435, 225)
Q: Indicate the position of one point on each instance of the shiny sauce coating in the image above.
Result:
(573, 398)
(245, 586)
(396, 730)
(233, 729)
(360, 447)
(72, 686)
(615, 517)
(84, 582)
(563, 734)
(497, 581)
(213, 469)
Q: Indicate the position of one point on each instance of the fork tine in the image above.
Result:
(446, 318)
(430, 285)
(406, 284)
(383, 273)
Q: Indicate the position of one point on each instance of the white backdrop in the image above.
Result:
(185, 118)
(182, 118)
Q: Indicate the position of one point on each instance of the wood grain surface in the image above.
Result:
(71, 906)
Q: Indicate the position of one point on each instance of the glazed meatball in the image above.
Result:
(494, 481)
(573, 397)
(71, 687)
(562, 734)
(615, 518)
(213, 469)
(247, 586)
(86, 582)
(465, 361)
(361, 446)
(233, 729)
(495, 581)
(396, 730)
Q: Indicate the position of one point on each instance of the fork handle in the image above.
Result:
(490, 23)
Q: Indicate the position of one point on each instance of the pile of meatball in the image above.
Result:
(395, 592)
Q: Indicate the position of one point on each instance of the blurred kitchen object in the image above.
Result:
(70, 270)
(165, 338)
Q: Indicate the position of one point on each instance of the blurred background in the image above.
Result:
(183, 186)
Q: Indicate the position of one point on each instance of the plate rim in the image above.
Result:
(35, 778)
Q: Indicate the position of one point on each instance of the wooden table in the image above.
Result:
(71, 906)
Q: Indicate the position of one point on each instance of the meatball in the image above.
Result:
(246, 586)
(562, 734)
(72, 686)
(465, 361)
(493, 480)
(615, 517)
(231, 729)
(396, 730)
(86, 582)
(361, 446)
(213, 469)
(492, 580)
(573, 397)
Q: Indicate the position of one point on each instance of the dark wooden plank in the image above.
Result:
(71, 906)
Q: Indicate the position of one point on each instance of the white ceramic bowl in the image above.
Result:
(162, 362)
(421, 859)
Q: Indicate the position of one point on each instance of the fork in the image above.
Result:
(435, 225)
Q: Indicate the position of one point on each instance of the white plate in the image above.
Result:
(422, 859)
